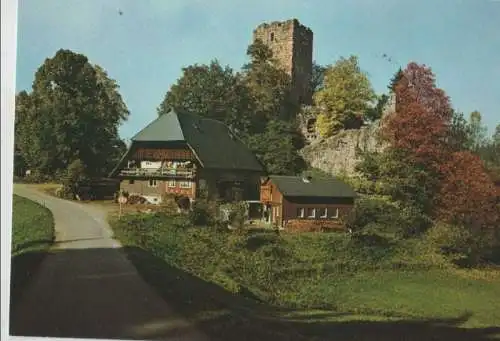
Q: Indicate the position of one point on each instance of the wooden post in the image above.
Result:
(121, 200)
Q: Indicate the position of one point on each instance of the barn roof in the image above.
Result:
(296, 186)
(213, 143)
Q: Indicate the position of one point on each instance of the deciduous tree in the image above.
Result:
(318, 77)
(478, 131)
(421, 124)
(345, 97)
(213, 91)
(277, 148)
(73, 112)
(467, 194)
(269, 86)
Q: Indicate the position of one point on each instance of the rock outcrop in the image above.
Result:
(339, 154)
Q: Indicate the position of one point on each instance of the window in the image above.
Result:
(271, 36)
(185, 184)
(131, 182)
(152, 183)
(323, 212)
(311, 212)
(335, 213)
(300, 212)
(171, 184)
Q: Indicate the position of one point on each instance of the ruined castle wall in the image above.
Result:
(292, 46)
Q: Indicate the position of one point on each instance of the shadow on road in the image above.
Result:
(105, 309)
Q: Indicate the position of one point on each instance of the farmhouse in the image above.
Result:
(298, 203)
(184, 154)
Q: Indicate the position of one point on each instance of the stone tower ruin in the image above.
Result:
(292, 46)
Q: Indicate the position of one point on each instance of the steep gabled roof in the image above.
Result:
(165, 128)
(295, 186)
(213, 143)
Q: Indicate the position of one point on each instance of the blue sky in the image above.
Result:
(145, 48)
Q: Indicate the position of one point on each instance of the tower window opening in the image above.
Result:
(311, 125)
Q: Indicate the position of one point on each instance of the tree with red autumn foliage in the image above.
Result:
(467, 194)
(422, 119)
(421, 132)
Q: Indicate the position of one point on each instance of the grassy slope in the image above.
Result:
(32, 236)
(32, 226)
(347, 298)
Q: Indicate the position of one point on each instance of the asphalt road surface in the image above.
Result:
(87, 288)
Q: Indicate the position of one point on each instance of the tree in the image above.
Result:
(345, 97)
(467, 194)
(318, 77)
(459, 133)
(269, 87)
(72, 113)
(276, 148)
(395, 80)
(477, 131)
(375, 113)
(211, 91)
(421, 126)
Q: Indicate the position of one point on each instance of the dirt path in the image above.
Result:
(86, 287)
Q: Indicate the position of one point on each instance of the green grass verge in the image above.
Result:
(307, 286)
(32, 226)
(32, 236)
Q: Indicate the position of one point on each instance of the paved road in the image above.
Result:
(86, 287)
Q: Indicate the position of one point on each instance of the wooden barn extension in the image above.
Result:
(305, 204)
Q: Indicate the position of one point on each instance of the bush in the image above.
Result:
(235, 214)
(462, 245)
(201, 214)
(379, 215)
(372, 211)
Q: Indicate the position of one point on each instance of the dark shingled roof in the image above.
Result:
(295, 186)
(212, 141)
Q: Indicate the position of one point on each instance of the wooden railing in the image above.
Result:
(158, 172)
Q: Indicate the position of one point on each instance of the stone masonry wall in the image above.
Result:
(292, 46)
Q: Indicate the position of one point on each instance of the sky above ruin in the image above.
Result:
(145, 48)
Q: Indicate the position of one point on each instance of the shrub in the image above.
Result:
(412, 222)
(462, 245)
(372, 211)
(235, 214)
(200, 214)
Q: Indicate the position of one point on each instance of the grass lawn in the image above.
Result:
(308, 286)
(32, 236)
(32, 226)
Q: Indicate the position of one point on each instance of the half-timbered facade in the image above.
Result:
(184, 154)
(297, 203)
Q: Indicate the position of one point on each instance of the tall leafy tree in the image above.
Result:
(430, 140)
(318, 77)
(268, 85)
(467, 194)
(277, 147)
(375, 113)
(345, 97)
(395, 80)
(478, 131)
(213, 91)
(459, 133)
(72, 113)
(424, 115)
